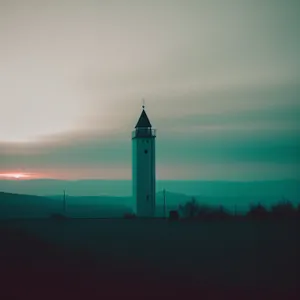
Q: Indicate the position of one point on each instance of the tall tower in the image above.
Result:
(143, 167)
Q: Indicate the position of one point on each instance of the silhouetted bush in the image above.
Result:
(284, 209)
(220, 214)
(193, 210)
(257, 212)
(203, 211)
(58, 217)
(129, 216)
(173, 216)
(212, 213)
(190, 209)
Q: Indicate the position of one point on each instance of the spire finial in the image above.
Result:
(143, 101)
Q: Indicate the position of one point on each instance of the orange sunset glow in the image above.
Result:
(16, 175)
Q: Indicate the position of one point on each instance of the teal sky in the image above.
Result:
(221, 80)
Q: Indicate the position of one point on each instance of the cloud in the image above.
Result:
(281, 117)
(221, 83)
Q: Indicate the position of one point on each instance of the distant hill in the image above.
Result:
(123, 188)
(26, 206)
(94, 200)
(96, 206)
(108, 198)
(23, 206)
(29, 206)
(45, 187)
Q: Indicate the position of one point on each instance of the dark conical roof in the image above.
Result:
(143, 121)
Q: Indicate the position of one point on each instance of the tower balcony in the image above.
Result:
(143, 133)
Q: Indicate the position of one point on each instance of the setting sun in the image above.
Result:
(15, 175)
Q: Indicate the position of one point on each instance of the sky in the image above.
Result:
(220, 79)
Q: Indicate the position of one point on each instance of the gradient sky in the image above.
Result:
(221, 80)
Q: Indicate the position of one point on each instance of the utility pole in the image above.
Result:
(65, 203)
(164, 203)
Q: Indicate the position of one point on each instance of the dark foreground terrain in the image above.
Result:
(156, 259)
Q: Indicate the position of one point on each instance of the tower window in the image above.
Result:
(146, 151)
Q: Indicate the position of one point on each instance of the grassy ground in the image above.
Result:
(154, 258)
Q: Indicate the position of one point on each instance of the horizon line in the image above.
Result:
(129, 180)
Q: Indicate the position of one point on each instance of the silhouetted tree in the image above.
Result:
(189, 209)
(221, 214)
(257, 212)
(129, 216)
(204, 211)
(193, 210)
(58, 217)
(173, 216)
(212, 213)
(284, 209)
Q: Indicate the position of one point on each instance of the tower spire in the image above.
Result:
(143, 121)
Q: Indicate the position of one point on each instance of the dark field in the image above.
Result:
(135, 259)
